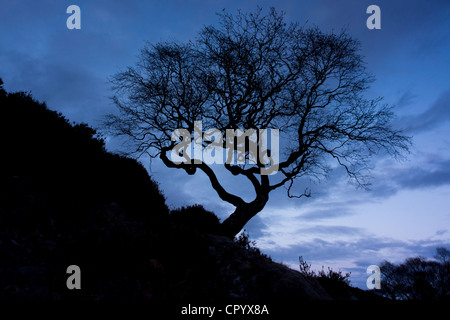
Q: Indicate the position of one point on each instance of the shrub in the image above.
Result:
(322, 275)
(196, 217)
(243, 240)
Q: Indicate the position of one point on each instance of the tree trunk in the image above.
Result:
(238, 219)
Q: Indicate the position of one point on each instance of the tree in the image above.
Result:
(443, 275)
(443, 255)
(417, 278)
(254, 71)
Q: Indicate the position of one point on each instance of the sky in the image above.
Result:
(405, 213)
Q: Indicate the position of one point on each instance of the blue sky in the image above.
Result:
(405, 214)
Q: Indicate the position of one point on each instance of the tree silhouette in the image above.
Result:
(255, 71)
(417, 278)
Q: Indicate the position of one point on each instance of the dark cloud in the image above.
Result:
(416, 178)
(384, 187)
(437, 114)
(429, 173)
(405, 99)
(74, 91)
(333, 212)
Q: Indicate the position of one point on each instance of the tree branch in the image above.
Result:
(191, 168)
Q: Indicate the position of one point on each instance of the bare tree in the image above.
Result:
(443, 255)
(254, 71)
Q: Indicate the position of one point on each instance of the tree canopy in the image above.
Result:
(417, 278)
(255, 71)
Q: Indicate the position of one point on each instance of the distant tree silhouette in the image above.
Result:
(417, 278)
(443, 255)
(254, 71)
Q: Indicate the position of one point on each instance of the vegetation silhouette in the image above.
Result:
(65, 200)
(253, 72)
(417, 278)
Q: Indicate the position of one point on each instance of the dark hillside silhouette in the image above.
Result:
(41, 144)
(65, 200)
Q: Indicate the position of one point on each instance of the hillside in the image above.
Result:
(65, 200)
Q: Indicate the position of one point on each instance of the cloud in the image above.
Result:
(74, 91)
(255, 227)
(331, 230)
(416, 178)
(319, 250)
(437, 114)
(327, 213)
(431, 172)
(355, 256)
(405, 99)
